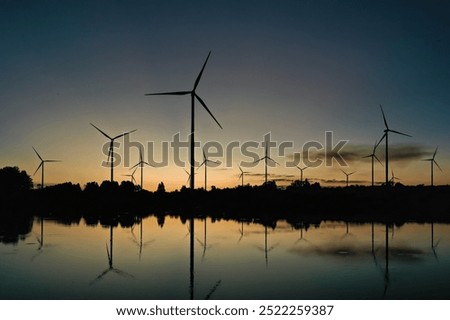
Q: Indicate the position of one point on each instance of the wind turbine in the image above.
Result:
(189, 176)
(141, 164)
(347, 175)
(373, 156)
(392, 181)
(265, 158)
(433, 162)
(111, 147)
(41, 165)
(132, 179)
(385, 136)
(194, 96)
(205, 163)
(301, 173)
(241, 176)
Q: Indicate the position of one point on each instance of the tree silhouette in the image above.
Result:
(161, 188)
(12, 180)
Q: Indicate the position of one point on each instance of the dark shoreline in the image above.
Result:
(364, 204)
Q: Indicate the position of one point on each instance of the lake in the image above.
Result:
(160, 258)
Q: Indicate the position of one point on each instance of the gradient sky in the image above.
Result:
(292, 68)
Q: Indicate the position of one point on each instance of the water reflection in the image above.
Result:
(41, 239)
(139, 242)
(266, 249)
(191, 257)
(434, 245)
(224, 259)
(110, 255)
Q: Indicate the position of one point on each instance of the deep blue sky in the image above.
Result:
(295, 68)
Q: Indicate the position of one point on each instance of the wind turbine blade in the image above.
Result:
(110, 151)
(135, 166)
(241, 169)
(375, 146)
(384, 118)
(369, 156)
(398, 132)
(174, 93)
(124, 134)
(435, 151)
(144, 162)
(204, 106)
(352, 173)
(107, 252)
(101, 132)
(203, 163)
(344, 172)
(384, 136)
(377, 159)
(273, 160)
(258, 160)
(37, 154)
(38, 168)
(132, 174)
(201, 72)
(204, 156)
(437, 165)
(52, 161)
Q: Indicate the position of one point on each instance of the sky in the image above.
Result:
(294, 69)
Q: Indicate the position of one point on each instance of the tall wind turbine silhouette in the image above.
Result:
(386, 136)
(301, 173)
(241, 176)
(205, 163)
(41, 165)
(141, 164)
(433, 162)
(111, 147)
(373, 156)
(194, 96)
(347, 175)
(265, 158)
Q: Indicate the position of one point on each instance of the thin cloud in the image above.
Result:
(357, 153)
(338, 181)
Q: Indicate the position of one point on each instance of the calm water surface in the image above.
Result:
(227, 260)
